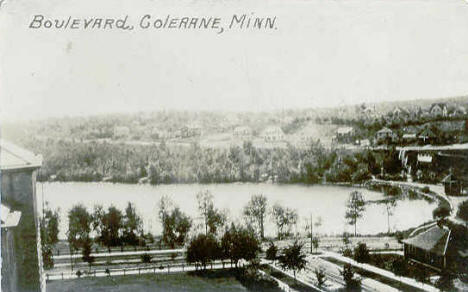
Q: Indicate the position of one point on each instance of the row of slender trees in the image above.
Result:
(176, 224)
(111, 227)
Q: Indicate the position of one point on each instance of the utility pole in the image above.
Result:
(43, 204)
(311, 233)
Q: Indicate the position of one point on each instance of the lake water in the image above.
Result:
(326, 202)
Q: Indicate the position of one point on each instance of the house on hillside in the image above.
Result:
(160, 134)
(438, 110)
(409, 138)
(399, 112)
(385, 135)
(458, 111)
(242, 132)
(453, 186)
(272, 134)
(427, 136)
(368, 110)
(121, 132)
(365, 110)
(20, 237)
(344, 135)
(188, 131)
(429, 247)
(194, 130)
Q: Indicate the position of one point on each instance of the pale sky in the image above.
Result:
(324, 53)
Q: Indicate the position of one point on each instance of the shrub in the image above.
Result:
(400, 267)
(320, 275)
(292, 257)
(361, 253)
(399, 236)
(256, 282)
(463, 211)
(426, 190)
(79, 273)
(441, 212)
(272, 252)
(173, 256)
(351, 282)
(445, 282)
(412, 194)
(345, 239)
(47, 257)
(146, 258)
(347, 252)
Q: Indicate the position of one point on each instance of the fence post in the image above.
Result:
(182, 267)
(124, 271)
(168, 267)
(62, 275)
(94, 273)
(139, 270)
(47, 276)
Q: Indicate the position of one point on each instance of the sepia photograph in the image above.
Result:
(234, 145)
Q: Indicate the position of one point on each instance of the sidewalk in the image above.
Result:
(436, 189)
(439, 192)
(299, 278)
(335, 279)
(382, 272)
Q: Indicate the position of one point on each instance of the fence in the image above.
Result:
(63, 249)
(174, 268)
(125, 253)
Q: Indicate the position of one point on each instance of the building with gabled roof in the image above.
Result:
(427, 135)
(399, 111)
(439, 109)
(429, 247)
(242, 131)
(458, 111)
(385, 134)
(453, 186)
(344, 134)
(20, 237)
(273, 134)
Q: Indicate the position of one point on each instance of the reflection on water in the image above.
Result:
(326, 202)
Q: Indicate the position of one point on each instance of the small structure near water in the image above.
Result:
(429, 247)
(453, 186)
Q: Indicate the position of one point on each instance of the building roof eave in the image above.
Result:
(13, 158)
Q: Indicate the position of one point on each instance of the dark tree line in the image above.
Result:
(162, 164)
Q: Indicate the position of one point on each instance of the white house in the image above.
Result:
(385, 133)
(273, 134)
(120, 132)
(458, 111)
(344, 134)
(438, 110)
(242, 131)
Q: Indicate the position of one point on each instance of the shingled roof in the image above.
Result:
(14, 157)
(450, 178)
(434, 240)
